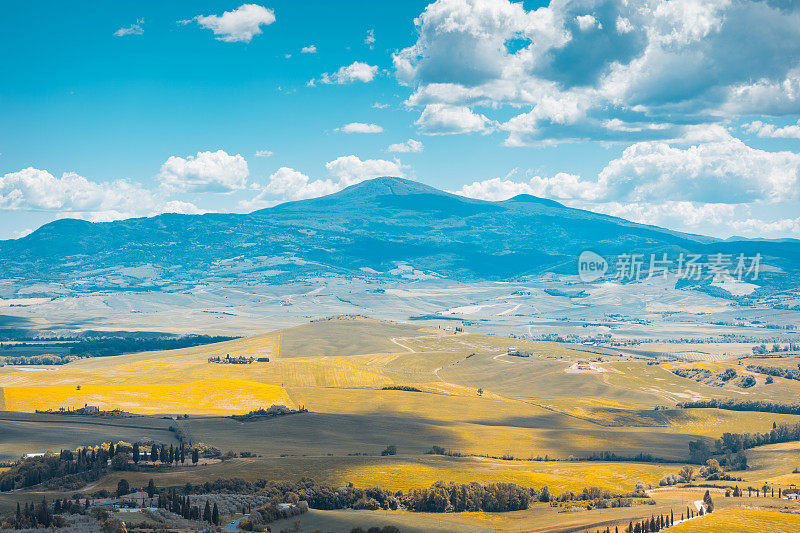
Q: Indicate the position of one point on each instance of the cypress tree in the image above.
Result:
(136, 452)
(207, 512)
(154, 453)
(215, 515)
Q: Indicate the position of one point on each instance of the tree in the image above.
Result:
(183, 454)
(708, 501)
(123, 487)
(544, 494)
(111, 450)
(154, 453)
(686, 473)
(136, 453)
(151, 488)
(120, 461)
(480, 392)
(195, 456)
(698, 451)
(215, 515)
(390, 450)
(207, 512)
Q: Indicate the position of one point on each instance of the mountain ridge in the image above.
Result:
(372, 226)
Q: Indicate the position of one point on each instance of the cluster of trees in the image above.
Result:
(762, 349)
(109, 346)
(182, 506)
(271, 412)
(440, 497)
(84, 464)
(776, 371)
(458, 497)
(406, 388)
(745, 405)
(48, 359)
(228, 360)
(73, 468)
(737, 442)
(33, 517)
(270, 513)
(656, 523)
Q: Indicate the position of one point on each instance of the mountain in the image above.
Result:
(363, 230)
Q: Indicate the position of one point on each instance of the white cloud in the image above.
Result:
(442, 119)
(350, 169)
(264, 153)
(360, 127)
(239, 25)
(178, 206)
(369, 40)
(587, 22)
(569, 72)
(288, 184)
(410, 145)
(205, 172)
(310, 49)
(357, 71)
(716, 168)
(723, 171)
(35, 189)
(770, 130)
(133, 29)
(562, 185)
(623, 25)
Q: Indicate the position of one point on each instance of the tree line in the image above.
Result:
(71, 469)
(763, 406)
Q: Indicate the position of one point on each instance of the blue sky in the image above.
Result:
(650, 110)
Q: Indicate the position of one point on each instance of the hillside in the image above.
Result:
(365, 230)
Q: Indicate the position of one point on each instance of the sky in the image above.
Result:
(681, 113)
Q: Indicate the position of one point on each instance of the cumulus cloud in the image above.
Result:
(357, 71)
(34, 189)
(588, 22)
(562, 185)
(707, 182)
(179, 206)
(410, 146)
(288, 184)
(263, 153)
(724, 171)
(239, 25)
(310, 49)
(360, 127)
(351, 170)
(442, 119)
(762, 129)
(570, 71)
(133, 29)
(205, 172)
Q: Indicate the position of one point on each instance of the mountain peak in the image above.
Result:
(388, 185)
(529, 198)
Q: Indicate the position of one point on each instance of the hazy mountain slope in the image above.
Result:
(373, 225)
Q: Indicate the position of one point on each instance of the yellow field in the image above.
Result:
(558, 476)
(216, 396)
(741, 521)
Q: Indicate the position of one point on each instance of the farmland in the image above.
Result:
(532, 421)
